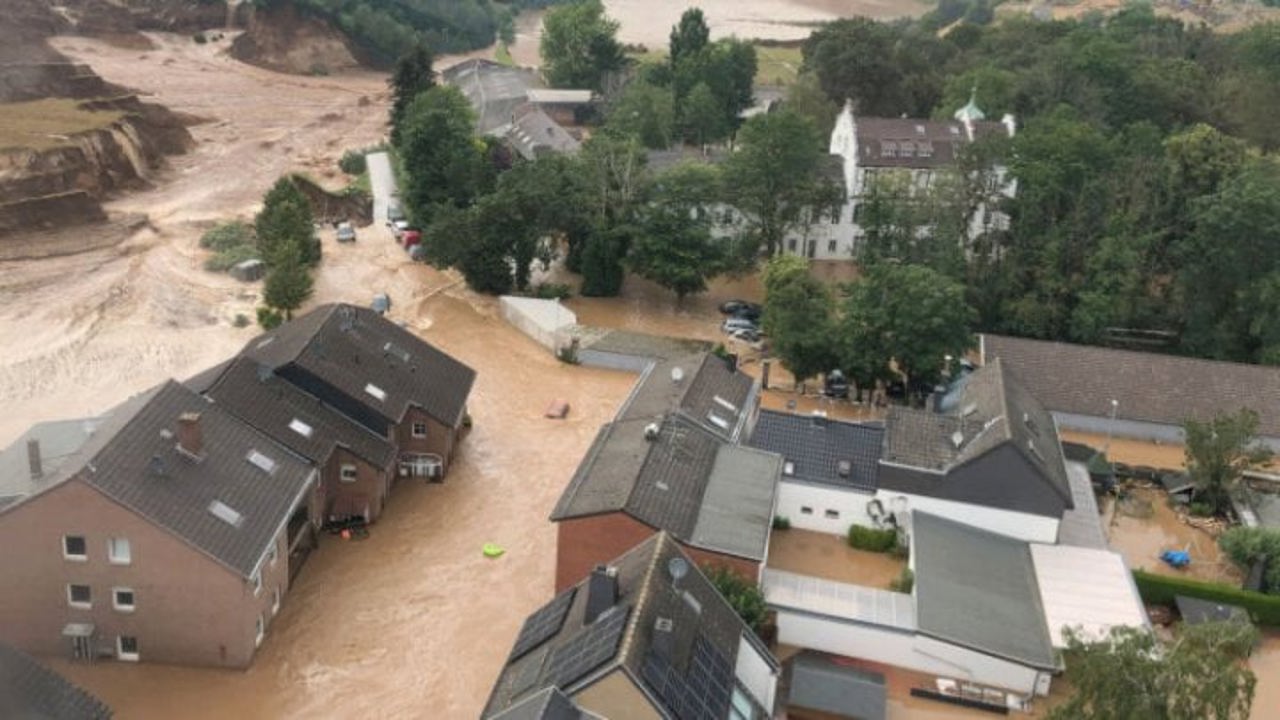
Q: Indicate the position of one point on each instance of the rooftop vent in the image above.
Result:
(33, 459)
(264, 342)
(225, 513)
(1031, 445)
(262, 462)
(300, 427)
(969, 409)
(264, 373)
(677, 375)
(376, 392)
(725, 404)
(651, 431)
(957, 439)
(166, 434)
(692, 602)
(788, 468)
(844, 468)
(396, 351)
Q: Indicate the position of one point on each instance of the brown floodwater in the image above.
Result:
(1141, 540)
(829, 556)
(1265, 663)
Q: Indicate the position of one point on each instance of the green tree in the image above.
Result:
(412, 75)
(1201, 674)
(887, 70)
(702, 116)
(798, 318)
(580, 46)
(602, 255)
(1248, 545)
(806, 98)
(646, 112)
(743, 596)
(285, 225)
(775, 177)
(1219, 452)
(909, 314)
(288, 284)
(690, 36)
(443, 161)
(674, 245)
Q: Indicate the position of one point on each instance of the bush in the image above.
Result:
(200, 38)
(353, 162)
(905, 581)
(319, 69)
(552, 291)
(1245, 546)
(1200, 509)
(569, 354)
(744, 597)
(226, 259)
(781, 522)
(269, 319)
(872, 539)
(1162, 589)
(226, 236)
(241, 320)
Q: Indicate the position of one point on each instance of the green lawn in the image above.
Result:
(774, 65)
(48, 123)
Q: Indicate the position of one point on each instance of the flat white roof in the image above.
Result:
(1085, 588)
(540, 95)
(839, 600)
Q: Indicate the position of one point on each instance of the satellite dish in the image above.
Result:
(677, 567)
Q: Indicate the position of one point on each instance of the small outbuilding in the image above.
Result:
(1195, 611)
(825, 686)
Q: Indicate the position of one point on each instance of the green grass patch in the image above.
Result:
(48, 123)
(503, 56)
(777, 65)
(872, 539)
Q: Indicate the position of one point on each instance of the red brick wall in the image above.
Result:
(583, 543)
(370, 483)
(439, 439)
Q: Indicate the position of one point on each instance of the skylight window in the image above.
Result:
(262, 462)
(226, 514)
(718, 421)
(397, 351)
(376, 392)
(725, 404)
(300, 427)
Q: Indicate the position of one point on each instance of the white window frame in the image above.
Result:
(342, 473)
(114, 559)
(414, 429)
(79, 605)
(115, 600)
(259, 631)
(121, 654)
(275, 601)
(256, 579)
(75, 558)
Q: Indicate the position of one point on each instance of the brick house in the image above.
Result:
(670, 461)
(645, 636)
(163, 535)
(377, 374)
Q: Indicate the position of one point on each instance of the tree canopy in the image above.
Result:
(579, 45)
(413, 74)
(1219, 451)
(798, 318)
(445, 164)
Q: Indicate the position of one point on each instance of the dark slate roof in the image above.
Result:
(1149, 387)
(978, 589)
(819, 684)
(30, 691)
(1195, 611)
(350, 347)
(815, 447)
(205, 379)
(548, 704)
(59, 442)
(534, 134)
(989, 410)
(178, 498)
(272, 405)
(702, 625)
(703, 388)
(494, 90)
(941, 140)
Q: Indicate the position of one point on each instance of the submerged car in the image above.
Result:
(346, 233)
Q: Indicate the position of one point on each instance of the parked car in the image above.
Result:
(398, 228)
(394, 212)
(747, 335)
(835, 385)
(381, 303)
(346, 233)
(741, 308)
(736, 323)
(410, 237)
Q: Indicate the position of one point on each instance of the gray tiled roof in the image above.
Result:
(978, 589)
(703, 377)
(494, 90)
(205, 379)
(534, 134)
(1149, 387)
(548, 704)
(59, 442)
(1082, 524)
(816, 446)
(30, 691)
(350, 347)
(819, 684)
(736, 512)
(178, 498)
(943, 140)
(647, 591)
(270, 404)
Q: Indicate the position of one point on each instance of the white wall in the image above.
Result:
(905, 650)
(851, 507)
(756, 673)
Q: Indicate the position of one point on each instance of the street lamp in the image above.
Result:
(1115, 405)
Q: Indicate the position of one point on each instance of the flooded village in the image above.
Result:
(486, 571)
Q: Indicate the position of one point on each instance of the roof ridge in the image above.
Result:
(662, 537)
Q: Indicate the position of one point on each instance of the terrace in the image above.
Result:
(804, 552)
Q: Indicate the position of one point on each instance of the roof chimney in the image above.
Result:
(602, 592)
(190, 435)
(33, 459)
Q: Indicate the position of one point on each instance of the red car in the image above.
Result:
(410, 237)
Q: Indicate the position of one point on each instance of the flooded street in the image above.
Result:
(1265, 663)
(1141, 540)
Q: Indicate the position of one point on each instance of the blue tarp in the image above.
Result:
(1176, 558)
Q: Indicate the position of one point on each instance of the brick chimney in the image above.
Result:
(33, 459)
(190, 435)
(602, 592)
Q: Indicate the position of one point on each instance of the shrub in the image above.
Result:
(552, 291)
(1162, 589)
(568, 354)
(781, 522)
(269, 319)
(744, 597)
(1245, 546)
(319, 69)
(905, 581)
(1200, 509)
(241, 320)
(200, 38)
(353, 162)
(872, 539)
(224, 260)
(227, 235)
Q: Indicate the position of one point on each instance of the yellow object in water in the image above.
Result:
(492, 551)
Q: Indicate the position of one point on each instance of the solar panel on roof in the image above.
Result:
(589, 649)
(542, 624)
(701, 692)
(528, 675)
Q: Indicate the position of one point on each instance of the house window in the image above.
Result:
(118, 551)
(806, 510)
(257, 582)
(831, 246)
(127, 648)
(259, 630)
(79, 596)
(832, 514)
(740, 706)
(888, 149)
(122, 599)
(791, 245)
(275, 601)
(907, 150)
(419, 429)
(835, 216)
(75, 548)
(347, 473)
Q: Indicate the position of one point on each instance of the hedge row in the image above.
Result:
(865, 538)
(1162, 589)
